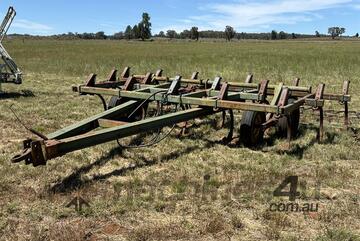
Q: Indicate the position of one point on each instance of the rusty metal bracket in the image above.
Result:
(217, 83)
(296, 82)
(281, 102)
(147, 79)
(32, 154)
(269, 123)
(320, 92)
(126, 73)
(319, 96)
(346, 87)
(175, 86)
(158, 73)
(263, 91)
(283, 97)
(223, 93)
(113, 75)
(24, 156)
(90, 82)
(129, 84)
(249, 79)
(194, 76)
(37, 153)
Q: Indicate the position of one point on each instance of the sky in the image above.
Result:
(47, 17)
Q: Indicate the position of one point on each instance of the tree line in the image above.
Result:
(142, 31)
(133, 33)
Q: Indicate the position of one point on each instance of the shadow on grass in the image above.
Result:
(15, 95)
(74, 180)
(144, 163)
(297, 150)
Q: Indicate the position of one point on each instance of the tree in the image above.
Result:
(336, 31)
(293, 36)
(144, 27)
(100, 35)
(88, 36)
(185, 34)
(171, 34)
(128, 32)
(161, 34)
(342, 31)
(357, 35)
(273, 35)
(119, 35)
(317, 34)
(194, 33)
(282, 35)
(135, 32)
(242, 35)
(229, 33)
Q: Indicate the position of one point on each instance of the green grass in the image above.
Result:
(155, 193)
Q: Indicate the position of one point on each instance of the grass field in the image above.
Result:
(164, 178)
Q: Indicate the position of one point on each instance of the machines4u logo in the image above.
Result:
(289, 188)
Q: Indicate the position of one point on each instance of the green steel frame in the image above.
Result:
(204, 96)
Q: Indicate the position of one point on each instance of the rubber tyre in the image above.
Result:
(251, 132)
(281, 126)
(139, 115)
(114, 101)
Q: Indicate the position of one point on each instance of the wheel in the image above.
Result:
(281, 126)
(114, 101)
(138, 115)
(251, 132)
